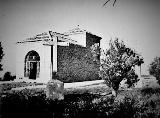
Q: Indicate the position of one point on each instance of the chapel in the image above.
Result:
(69, 54)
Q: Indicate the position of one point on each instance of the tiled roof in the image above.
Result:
(46, 36)
(39, 37)
(62, 37)
(76, 30)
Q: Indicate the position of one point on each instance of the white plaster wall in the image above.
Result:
(44, 53)
(55, 54)
(80, 38)
(45, 64)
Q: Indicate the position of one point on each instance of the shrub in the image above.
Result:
(8, 77)
(118, 64)
(150, 91)
(9, 86)
(33, 103)
(154, 68)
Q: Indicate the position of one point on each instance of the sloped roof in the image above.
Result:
(39, 37)
(47, 36)
(62, 37)
(78, 30)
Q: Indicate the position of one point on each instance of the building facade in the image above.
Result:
(69, 54)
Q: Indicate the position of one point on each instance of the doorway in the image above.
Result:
(32, 65)
(33, 70)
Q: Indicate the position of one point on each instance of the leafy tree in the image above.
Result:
(154, 68)
(118, 64)
(1, 56)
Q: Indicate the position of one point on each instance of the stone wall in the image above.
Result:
(75, 63)
(92, 39)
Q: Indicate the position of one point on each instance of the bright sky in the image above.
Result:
(137, 22)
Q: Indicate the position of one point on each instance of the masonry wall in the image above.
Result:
(76, 63)
(92, 39)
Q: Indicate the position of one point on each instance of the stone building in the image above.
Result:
(69, 54)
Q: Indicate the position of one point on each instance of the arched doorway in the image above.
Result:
(32, 65)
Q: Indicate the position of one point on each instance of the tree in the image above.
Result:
(118, 64)
(154, 68)
(1, 56)
(108, 1)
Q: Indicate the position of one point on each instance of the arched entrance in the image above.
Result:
(32, 65)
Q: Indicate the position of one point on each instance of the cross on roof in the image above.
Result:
(62, 37)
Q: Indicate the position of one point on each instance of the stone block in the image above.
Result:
(55, 90)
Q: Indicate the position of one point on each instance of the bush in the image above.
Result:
(150, 91)
(118, 63)
(154, 68)
(8, 77)
(33, 103)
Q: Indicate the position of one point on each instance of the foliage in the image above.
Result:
(33, 103)
(1, 56)
(154, 68)
(8, 77)
(150, 91)
(118, 64)
(9, 86)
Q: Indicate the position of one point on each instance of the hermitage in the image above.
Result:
(37, 57)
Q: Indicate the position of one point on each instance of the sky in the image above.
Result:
(136, 22)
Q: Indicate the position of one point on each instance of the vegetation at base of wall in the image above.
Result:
(8, 77)
(9, 86)
(154, 68)
(128, 104)
(150, 91)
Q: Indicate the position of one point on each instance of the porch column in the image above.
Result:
(55, 54)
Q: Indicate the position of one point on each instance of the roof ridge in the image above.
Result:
(75, 30)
